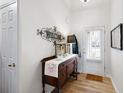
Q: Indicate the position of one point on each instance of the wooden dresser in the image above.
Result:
(65, 70)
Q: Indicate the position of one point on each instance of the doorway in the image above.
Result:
(8, 28)
(93, 50)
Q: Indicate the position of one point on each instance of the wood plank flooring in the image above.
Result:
(83, 85)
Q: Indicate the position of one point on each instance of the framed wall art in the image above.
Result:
(117, 37)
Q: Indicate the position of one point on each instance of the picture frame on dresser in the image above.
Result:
(117, 37)
(61, 49)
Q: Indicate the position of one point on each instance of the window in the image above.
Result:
(94, 45)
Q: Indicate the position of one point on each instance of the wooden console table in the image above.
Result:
(65, 70)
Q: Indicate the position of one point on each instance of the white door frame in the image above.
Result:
(17, 64)
(84, 44)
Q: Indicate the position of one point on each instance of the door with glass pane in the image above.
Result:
(94, 51)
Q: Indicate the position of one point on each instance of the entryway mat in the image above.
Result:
(94, 77)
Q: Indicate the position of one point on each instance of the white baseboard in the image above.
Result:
(113, 83)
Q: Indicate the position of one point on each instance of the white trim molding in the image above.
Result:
(113, 83)
(7, 4)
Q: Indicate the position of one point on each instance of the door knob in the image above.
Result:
(10, 65)
(13, 64)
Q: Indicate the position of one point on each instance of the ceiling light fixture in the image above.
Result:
(84, 1)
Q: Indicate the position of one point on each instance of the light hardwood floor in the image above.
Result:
(82, 85)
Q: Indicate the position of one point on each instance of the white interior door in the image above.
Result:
(0, 61)
(93, 51)
(8, 28)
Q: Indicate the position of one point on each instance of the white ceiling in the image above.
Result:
(77, 4)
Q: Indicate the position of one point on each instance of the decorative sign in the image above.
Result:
(50, 34)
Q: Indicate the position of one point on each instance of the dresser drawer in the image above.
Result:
(62, 75)
(70, 67)
(51, 80)
(62, 66)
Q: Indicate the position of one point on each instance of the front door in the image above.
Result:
(93, 50)
(8, 22)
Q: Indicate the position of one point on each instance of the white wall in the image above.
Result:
(116, 55)
(35, 14)
(92, 16)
